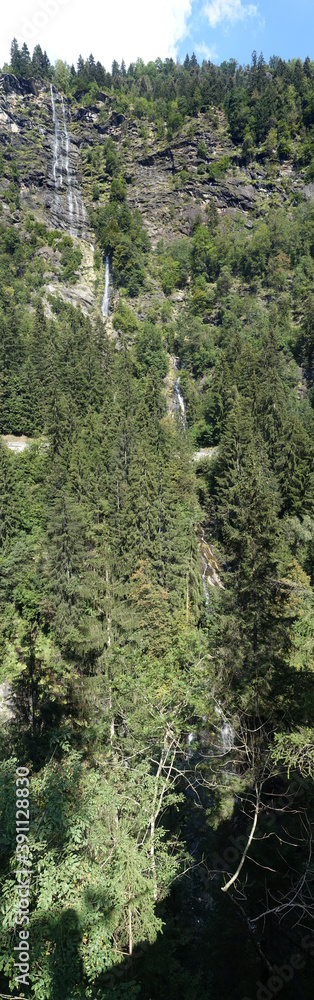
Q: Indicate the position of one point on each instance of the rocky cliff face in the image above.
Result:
(34, 127)
(50, 142)
(42, 155)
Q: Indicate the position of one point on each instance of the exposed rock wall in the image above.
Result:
(27, 125)
(165, 180)
(152, 166)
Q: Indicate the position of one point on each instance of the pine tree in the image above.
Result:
(91, 67)
(255, 634)
(38, 61)
(15, 57)
(80, 69)
(271, 402)
(12, 355)
(100, 74)
(9, 518)
(307, 336)
(295, 468)
(25, 61)
(46, 65)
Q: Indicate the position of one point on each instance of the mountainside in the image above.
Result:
(157, 527)
(38, 125)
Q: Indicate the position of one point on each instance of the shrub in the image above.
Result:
(219, 167)
(202, 151)
(150, 353)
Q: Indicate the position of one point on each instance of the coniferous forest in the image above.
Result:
(157, 528)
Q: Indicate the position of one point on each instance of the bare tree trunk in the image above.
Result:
(130, 931)
(157, 803)
(109, 644)
(224, 888)
(152, 854)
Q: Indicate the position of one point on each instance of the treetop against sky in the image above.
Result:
(215, 29)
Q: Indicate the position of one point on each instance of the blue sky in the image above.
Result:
(215, 29)
(233, 28)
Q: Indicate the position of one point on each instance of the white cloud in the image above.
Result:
(229, 10)
(203, 51)
(122, 29)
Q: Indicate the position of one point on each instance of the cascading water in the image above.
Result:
(74, 216)
(210, 565)
(67, 169)
(226, 734)
(227, 737)
(180, 398)
(56, 138)
(179, 401)
(105, 301)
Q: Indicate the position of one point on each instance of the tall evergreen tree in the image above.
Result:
(15, 57)
(253, 643)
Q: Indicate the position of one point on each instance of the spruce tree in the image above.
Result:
(9, 515)
(254, 637)
(15, 57)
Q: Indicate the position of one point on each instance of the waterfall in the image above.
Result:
(179, 401)
(67, 169)
(180, 398)
(105, 301)
(226, 733)
(62, 174)
(210, 565)
(227, 737)
(56, 137)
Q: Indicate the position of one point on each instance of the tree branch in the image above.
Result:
(225, 888)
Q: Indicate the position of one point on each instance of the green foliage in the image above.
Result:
(150, 352)
(62, 75)
(247, 513)
(71, 258)
(118, 189)
(307, 334)
(124, 319)
(122, 236)
(219, 167)
(201, 150)
(266, 106)
(204, 254)
(196, 346)
(111, 158)
(175, 267)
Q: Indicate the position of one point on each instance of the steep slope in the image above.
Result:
(54, 152)
(157, 527)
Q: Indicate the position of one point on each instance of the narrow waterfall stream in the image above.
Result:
(210, 566)
(180, 399)
(68, 212)
(177, 407)
(67, 169)
(105, 301)
(56, 136)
